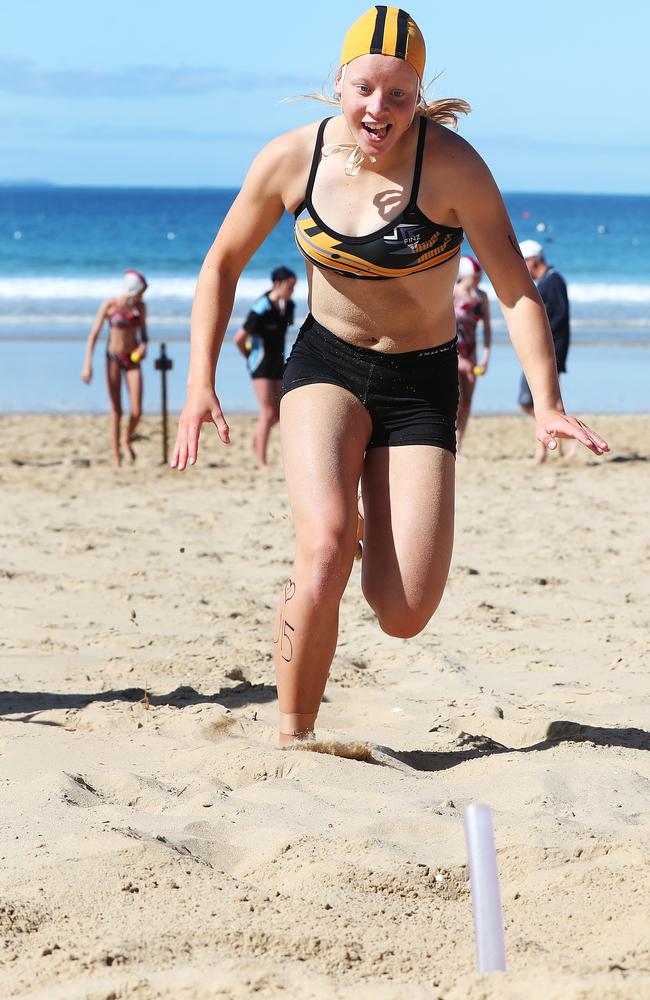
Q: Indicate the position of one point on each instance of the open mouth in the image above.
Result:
(376, 132)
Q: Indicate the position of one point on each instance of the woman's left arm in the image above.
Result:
(144, 336)
(485, 220)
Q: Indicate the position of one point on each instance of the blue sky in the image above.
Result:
(185, 94)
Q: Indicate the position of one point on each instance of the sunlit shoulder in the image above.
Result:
(454, 174)
(283, 164)
(451, 151)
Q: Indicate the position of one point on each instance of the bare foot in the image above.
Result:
(285, 740)
(295, 727)
(540, 455)
(568, 450)
(129, 451)
(117, 461)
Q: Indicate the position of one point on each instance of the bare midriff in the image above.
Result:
(122, 339)
(391, 316)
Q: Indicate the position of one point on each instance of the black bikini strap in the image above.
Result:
(419, 156)
(316, 158)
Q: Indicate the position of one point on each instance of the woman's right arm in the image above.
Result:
(102, 312)
(254, 213)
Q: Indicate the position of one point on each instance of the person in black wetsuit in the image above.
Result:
(552, 289)
(261, 341)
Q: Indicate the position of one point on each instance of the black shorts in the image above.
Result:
(270, 366)
(412, 397)
(525, 397)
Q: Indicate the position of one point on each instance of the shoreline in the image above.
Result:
(36, 185)
(47, 380)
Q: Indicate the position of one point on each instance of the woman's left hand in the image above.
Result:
(549, 425)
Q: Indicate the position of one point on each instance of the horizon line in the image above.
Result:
(48, 185)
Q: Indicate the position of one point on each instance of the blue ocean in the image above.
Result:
(63, 250)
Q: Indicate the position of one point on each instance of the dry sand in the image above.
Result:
(154, 841)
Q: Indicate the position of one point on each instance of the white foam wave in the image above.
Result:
(69, 319)
(95, 289)
(177, 293)
(588, 292)
(601, 292)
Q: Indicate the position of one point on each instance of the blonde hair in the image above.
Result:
(445, 111)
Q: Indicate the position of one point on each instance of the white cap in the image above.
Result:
(134, 282)
(531, 248)
(468, 267)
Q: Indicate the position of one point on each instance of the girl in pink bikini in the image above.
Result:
(127, 346)
(471, 306)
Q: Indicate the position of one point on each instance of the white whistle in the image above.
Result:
(486, 898)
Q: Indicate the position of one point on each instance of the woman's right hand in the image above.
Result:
(86, 374)
(201, 407)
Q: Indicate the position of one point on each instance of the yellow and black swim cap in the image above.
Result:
(386, 31)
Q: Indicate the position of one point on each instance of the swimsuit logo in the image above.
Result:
(401, 234)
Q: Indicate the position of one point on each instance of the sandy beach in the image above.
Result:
(156, 844)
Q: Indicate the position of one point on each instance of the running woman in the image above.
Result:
(382, 194)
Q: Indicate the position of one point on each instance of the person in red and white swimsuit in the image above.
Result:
(127, 346)
(471, 306)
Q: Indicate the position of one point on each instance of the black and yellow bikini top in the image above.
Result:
(407, 244)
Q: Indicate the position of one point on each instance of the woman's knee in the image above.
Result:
(405, 624)
(270, 415)
(325, 558)
(403, 620)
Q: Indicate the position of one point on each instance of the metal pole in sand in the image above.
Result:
(163, 365)
(486, 899)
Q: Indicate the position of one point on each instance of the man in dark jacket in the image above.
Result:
(552, 288)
